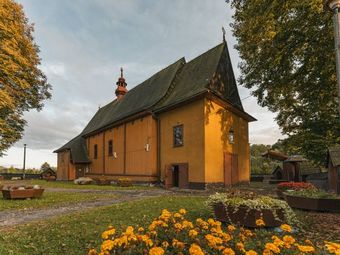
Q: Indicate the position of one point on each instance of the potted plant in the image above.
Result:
(244, 208)
(22, 192)
(284, 186)
(313, 199)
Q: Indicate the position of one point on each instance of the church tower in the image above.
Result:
(121, 86)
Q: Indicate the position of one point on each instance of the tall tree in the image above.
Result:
(23, 86)
(288, 60)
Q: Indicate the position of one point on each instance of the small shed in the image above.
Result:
(333, 164)
(48, 174)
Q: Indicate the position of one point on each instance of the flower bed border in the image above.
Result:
(244, 216)
(314, 204)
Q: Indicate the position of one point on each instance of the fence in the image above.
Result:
(9, 176)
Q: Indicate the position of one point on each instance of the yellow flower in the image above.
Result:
(231, 228)
(178, 244)
(228, 251)
(107, 245)
(195, 250)
(286, 227)
(260, 223)
(140, 229)
(305, 248)
(251, 252)
(165, 244)
(193, 233)
(106, 234)
(240, 246)
(333, 247)
(129, 230)
(178, 215)
(156, 251)
(182, 211)
(277, 241)
(92, 252)
(213, 241)
(288, 241)
(272, 247)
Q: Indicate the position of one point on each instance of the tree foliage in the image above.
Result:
(259, 164)
(23, 86)
(288, 60)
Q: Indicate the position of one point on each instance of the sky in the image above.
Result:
(84, 43)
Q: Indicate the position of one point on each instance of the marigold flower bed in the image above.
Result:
(171, 233)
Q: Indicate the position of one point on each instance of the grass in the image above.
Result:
(74, 233)
(50, 199)
(71, 185)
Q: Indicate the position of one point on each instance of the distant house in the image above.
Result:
(185, 126)
(333, 163)
(297, 168)
(294, 167)
(48, 174)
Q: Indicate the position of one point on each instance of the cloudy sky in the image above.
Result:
(84, 43)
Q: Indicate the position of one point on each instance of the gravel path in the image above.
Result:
(10, 218)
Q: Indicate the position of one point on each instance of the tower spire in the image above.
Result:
(224, 33)
(121, 86)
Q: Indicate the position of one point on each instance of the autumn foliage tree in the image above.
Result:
(288, 61)
(23, 86)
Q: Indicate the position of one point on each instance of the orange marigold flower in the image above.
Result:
(193, 233)
(272, 247)
(306, 248)
(251, 252)
(195, 250)
(333, 247)
(165, 244)
(240, 246)
(231, 228)
(260, 223)
(92, 252)
(286, 227)
(182, 211)
(228, 251)
(156, 251)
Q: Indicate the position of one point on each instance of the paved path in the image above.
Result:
(9, 218)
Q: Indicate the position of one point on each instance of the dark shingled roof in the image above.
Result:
(138, 99)
(334, 155)
(306, 168)
(77, 146)
(177, 83)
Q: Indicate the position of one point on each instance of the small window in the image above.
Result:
(231, 135)
(110, 148)
(178, 135)
(95, 151)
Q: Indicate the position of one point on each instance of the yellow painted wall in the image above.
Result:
(132, 138)
(218, 122)
(96, 166)
(139, 133)
(114, 165)
(191, 116)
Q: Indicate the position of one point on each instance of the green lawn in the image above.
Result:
(72, 234)
(71, 185)
(50, 199)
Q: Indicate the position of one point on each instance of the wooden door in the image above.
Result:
(183, 182)
(168, 176)
(231, 175)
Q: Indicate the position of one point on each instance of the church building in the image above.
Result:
(183, 127)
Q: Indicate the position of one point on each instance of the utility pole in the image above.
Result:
(334, 6)
(23, 169)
